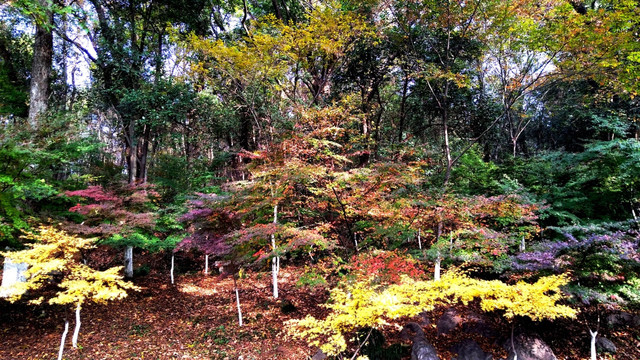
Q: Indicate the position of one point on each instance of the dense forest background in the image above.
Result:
(364, 139)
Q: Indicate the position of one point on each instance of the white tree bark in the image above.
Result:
(235, 285)
(64, 337)
(239, 310)
(522, 245)
(594, 334)
(12, 273)
(419, 240)
(76, 331)
(436, 270)
(206, 264)
(275, 261)
(172, 267)
(128, 261)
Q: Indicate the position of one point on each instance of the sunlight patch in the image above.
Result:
(196, 290)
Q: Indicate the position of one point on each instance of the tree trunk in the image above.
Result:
(172, 267)
(513, 345)
(76, 331)
(235, 286)
(594, 335)
(447, 146)
(132, 160)
(128, 261)
(436, 270)
(206, 264)
(63, 65)
(276, 9)
(419, 240)
(41, 67)
(275, 261)
(403, 106)
(64, 337)
(12, 273)
(142, 155)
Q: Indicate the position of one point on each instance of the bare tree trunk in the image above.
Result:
(275, 261)
(63, 65)
(436, 270)
(12, 273)
(41, 67)
(447, 146)
(206, 264)
(172, 267)
(143, 153)
(235, 286)
(276, 9)
(64, 337)
(419, 240)
(403, 106)
(76, 331)
(594, 335)
(132, 161)
(513, 346)
(128, 261)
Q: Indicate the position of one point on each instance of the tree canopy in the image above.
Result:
(497, 141)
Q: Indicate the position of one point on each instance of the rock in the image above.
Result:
(529, 347)
(448, 321)
(424, 319)
(619, 319)
(470, 350)
(287, 307)
(421, 348)
(635, 322)
(605, 345)
(319, 355)
(479, 324)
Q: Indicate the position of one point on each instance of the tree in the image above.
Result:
(56, 257)
(519, 61)
(277, 66)
(126, 37)
(443, 39)
(362, 304)
(122, 218)
(41, 11)
(15, 60)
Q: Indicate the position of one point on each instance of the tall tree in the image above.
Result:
(41, 12)
(443, 38)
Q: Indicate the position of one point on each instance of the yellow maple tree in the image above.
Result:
(364, 304)
(54, 255)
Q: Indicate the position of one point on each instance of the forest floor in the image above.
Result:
(197, 319)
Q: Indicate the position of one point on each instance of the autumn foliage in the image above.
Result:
(56, 257)
(361, 304)
(385, 267)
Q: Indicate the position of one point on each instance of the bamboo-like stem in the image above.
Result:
(172, 267)
(64, 337)
(76, 330)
